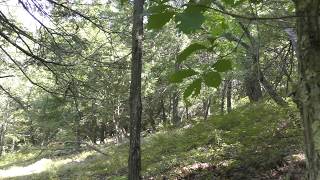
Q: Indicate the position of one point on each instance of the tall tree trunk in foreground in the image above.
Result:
(134, 162)
(308, 91)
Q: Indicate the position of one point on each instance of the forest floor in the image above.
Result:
(260, 141)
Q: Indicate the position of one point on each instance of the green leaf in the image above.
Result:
(190, 19)
(178, 76)
(223, 65)
(228, 2)
(122, 2)
(189, 50)
(158, 20)
(238, 2)
(157, 9)
(212, 79)
(219, 28)
(193, 89)
(205, 2)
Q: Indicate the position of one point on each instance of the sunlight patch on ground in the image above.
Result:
(41, 166)
(34, 168)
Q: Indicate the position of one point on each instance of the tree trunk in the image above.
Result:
(207, 105)
(31, 132)
(223, 95)
(252, 84)
(151, 119)
(175, 103)
(271, 91)
(229, 95)
(175, 109)
(170, 107)
(134, 162)
(187, 112)
(164, 116)
(308, 91)
(93, 124)
(102, 132)
(77, 121)
(2, 133)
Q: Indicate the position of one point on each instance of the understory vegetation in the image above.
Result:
(254, 141)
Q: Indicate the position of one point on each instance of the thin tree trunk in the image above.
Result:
(175, 103)
(164, 116)
(229, 95)
(77, 123)
(102, 132)
(223, 95)
(170, 107)
(187, 112)
(151, 119)
(175, 110)
(2, 133)
(134, 162)
(79, 117)
(93, 125)
(308, 91)
(207, 107)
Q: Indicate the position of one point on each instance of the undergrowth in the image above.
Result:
(251, 138)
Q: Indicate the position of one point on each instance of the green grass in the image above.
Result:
(253, 136)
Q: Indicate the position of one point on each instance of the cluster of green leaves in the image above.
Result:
(190, 19)
(210, 78)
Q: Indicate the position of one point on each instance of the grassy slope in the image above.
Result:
(250, 142)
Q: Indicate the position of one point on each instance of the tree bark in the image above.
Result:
(152, 121)
(207, 105)
(223, 95)
(93, 124)
(175, 102)
(102, 132)
(77, 121)
(175, 108)
(187, 112)
(252, 84)
(308, 90)
(164, 116)
(229, 95)
(2, 136)
(134, 162)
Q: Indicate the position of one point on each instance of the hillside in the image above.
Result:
(257, 141)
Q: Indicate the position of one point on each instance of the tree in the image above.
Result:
(134, 164)
(308, 90)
